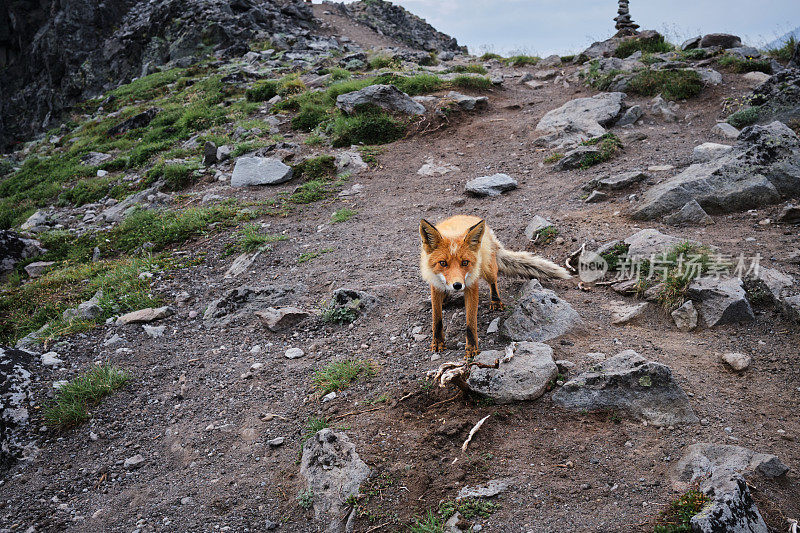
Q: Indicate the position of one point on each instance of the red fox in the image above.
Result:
(455, 254)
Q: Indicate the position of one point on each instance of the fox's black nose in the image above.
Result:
(457, 286)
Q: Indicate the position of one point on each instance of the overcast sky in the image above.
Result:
(543, 27)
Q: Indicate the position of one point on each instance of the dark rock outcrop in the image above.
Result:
(778, 98)
(394, 21)
(56, 53)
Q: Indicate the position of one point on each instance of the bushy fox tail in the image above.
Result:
(528, 265)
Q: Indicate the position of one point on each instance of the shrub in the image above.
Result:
(744, 117)
(290, 86)
(608, 143)
(383, 61)
(671, 84)
(262, 90)
(740, 65)
(314, 168)
(489, 55)
(677, 519)
(310, 116)
(635, 44)
(372, 127)
(783, 53)
(72, 401)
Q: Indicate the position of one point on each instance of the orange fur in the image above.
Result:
(456, 254)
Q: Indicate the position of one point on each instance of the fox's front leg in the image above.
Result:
(437, 297)
(471, 307)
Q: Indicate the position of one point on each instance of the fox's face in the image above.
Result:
(450, 262)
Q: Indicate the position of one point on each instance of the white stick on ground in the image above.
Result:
(472, 433)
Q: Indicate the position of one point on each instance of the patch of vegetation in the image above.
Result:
(145, 88)
(87, 191)
(343, 215)
(340, 315)
(251, 239)
(339, 375)
(308, 256)
(369, 154)
(315, 168)
(291, 85)
(693, 54)
(473, 68)
(546, 235)
(613, 256)
(555, 157)
(26, 308)
(433, 522)
(338, 74)
(489, 56)
(306, 499)
(247, 147)
(313, 425)
(383, 61)
(314, 140)
(412, 85)
(371, 127)
(674, 272)
(567, 59)
(72, 401)
(670, 84)
(608, 143)
(737, 64)
(262, 90)
(310, 116)
(635, 44)
(783, 53)
(175, 176)
(521, 60)
(744, 117)
(598, 80)
(677, 519)
(476, 83)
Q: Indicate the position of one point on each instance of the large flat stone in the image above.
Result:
(259, 171)
(540, 315)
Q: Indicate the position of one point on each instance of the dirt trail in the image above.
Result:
(207, 465)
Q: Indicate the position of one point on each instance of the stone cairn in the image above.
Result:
(624, 23)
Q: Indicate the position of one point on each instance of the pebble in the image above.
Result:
(294, 353)
(278, 441)
(131, 463)
(328, 397)
(51, 359)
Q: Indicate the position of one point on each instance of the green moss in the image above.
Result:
(670, 84)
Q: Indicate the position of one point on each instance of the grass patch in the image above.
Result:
(555, 157)
(646, 46)
(472, 68)
(314, 140)
(609, 145)
(475, 83)
(521, 60)
(71, 404)
(262, 90)
(343, 215)
(310, 116)
(175, 176)
(674, 271)
(306, 499)
(736, 64)
(743, 117)
(369, 154)
(613, 256)
(670, 84)
(371, 127)
(545, 235)
(339, 375)
(489, 56)
(412, 85)
(313, 425)
(308, 256)
(383, 61)
(783, 53)
(246, 147)
(598, 80)
(28, 307)
(316, 167)
(677, 519)
(251, 239)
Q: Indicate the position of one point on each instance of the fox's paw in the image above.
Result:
(496, 305)
(471, 353)
(437, 346)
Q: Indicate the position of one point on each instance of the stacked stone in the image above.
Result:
(623, 18)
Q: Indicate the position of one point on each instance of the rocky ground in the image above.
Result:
(208, 434)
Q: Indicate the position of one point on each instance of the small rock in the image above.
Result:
(132, 463)
(492, 185)
(250, 171)
(725, 130)
(280, 318)
(735, 360)
(596, 196)
(154, 332)
(494, 325)
(622, 314)
(328, 397)
(708, 151)
(148, 314)
(294, 353)
(278, 441)
(51, 359)
(36, 269)
(685, 316)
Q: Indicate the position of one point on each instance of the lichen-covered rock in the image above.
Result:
(14, 248)
(579, 120)
(387, 97)
(628, 382)
(15, 394)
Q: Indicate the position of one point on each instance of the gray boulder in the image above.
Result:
(720, 471)
(574, 158)
(280, 318)
(708, 151)
(38, 268)
(493, 185)
(690, 214)
(88, 310)
(39, 221)
(763, 168)
(744, 52)
(579, 120)
(334, 473)
(628, 382)
(245, 300)
(15, 248)
(721, 301)
(259, 171)
(526, 368)
(387, 97)
(650, 241)
(468, 103)
(723, 40)
(147, 198)
(685, 316)
(690, 44)
(539, 315)
(631, 115)
(725, 131)
(778, 98)
(622, 181)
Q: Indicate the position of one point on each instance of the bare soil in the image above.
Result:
(207, 463)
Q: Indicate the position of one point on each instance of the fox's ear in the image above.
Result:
(474, 235)
(430, 235)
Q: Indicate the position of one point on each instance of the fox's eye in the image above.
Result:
(443, 263)
(464, 263)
